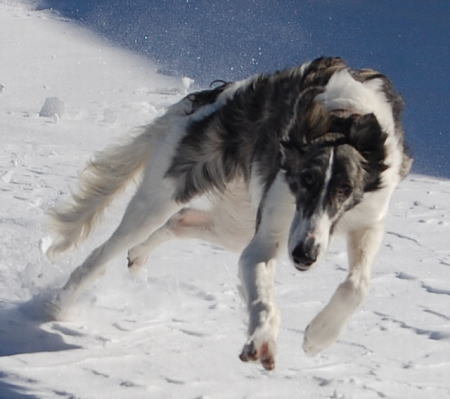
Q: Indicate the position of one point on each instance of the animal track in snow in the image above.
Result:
(430, 334)
(402, 236)
(192, 333)
(434, 290)
(405, 276)
(426, 286)
(199, 292)
(440, 315)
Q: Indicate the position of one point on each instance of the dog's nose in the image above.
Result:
(305, 254)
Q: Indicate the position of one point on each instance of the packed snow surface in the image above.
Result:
(175, 330)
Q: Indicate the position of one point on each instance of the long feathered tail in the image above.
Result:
(105, 176)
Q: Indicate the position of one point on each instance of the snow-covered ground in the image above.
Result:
(175, 330)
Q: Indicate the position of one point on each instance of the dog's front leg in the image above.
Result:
(257, 268)
(362, 246)
(264, 319)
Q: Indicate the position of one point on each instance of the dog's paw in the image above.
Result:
(264, 352)
(320, 334)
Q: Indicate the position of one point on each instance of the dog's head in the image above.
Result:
(328, 175)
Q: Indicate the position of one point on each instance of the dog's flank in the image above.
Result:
(286, 160)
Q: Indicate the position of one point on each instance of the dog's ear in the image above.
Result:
(342, 124)
(366, 135)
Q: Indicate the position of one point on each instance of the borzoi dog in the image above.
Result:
(286, 160)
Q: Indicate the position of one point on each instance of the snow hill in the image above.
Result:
(175, 330)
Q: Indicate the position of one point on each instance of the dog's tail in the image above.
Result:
(105, 176)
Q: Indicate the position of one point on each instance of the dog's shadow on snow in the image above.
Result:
(20, 334)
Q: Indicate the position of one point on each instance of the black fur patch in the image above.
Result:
(201, 98)
(397, 104)
(347, 184)
(271, 112)
(368, 138)
(306, 177)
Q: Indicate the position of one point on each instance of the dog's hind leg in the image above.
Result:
(188, 223)
(257, 267)
(362, 246)
(152, 205)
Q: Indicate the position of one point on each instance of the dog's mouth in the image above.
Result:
(305, 254)
(303, 267)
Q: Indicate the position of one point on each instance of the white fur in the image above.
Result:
(256, 268)
(362, 245)
(153, 217)
(228, 221)
(344, 92)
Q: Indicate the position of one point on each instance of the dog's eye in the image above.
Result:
(345, 190)
(293, 186)
(307, 179)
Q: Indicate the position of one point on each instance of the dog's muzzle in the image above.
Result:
(305, 254)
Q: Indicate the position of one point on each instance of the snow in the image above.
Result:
(53, 108)
(176, 329)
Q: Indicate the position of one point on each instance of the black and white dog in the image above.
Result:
(285, 160)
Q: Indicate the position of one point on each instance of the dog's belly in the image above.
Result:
(233, 216)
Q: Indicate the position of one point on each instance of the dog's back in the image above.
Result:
(241, 134)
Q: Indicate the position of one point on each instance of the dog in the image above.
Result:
(285, 160)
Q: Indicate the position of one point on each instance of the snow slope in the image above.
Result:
(175, 330)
